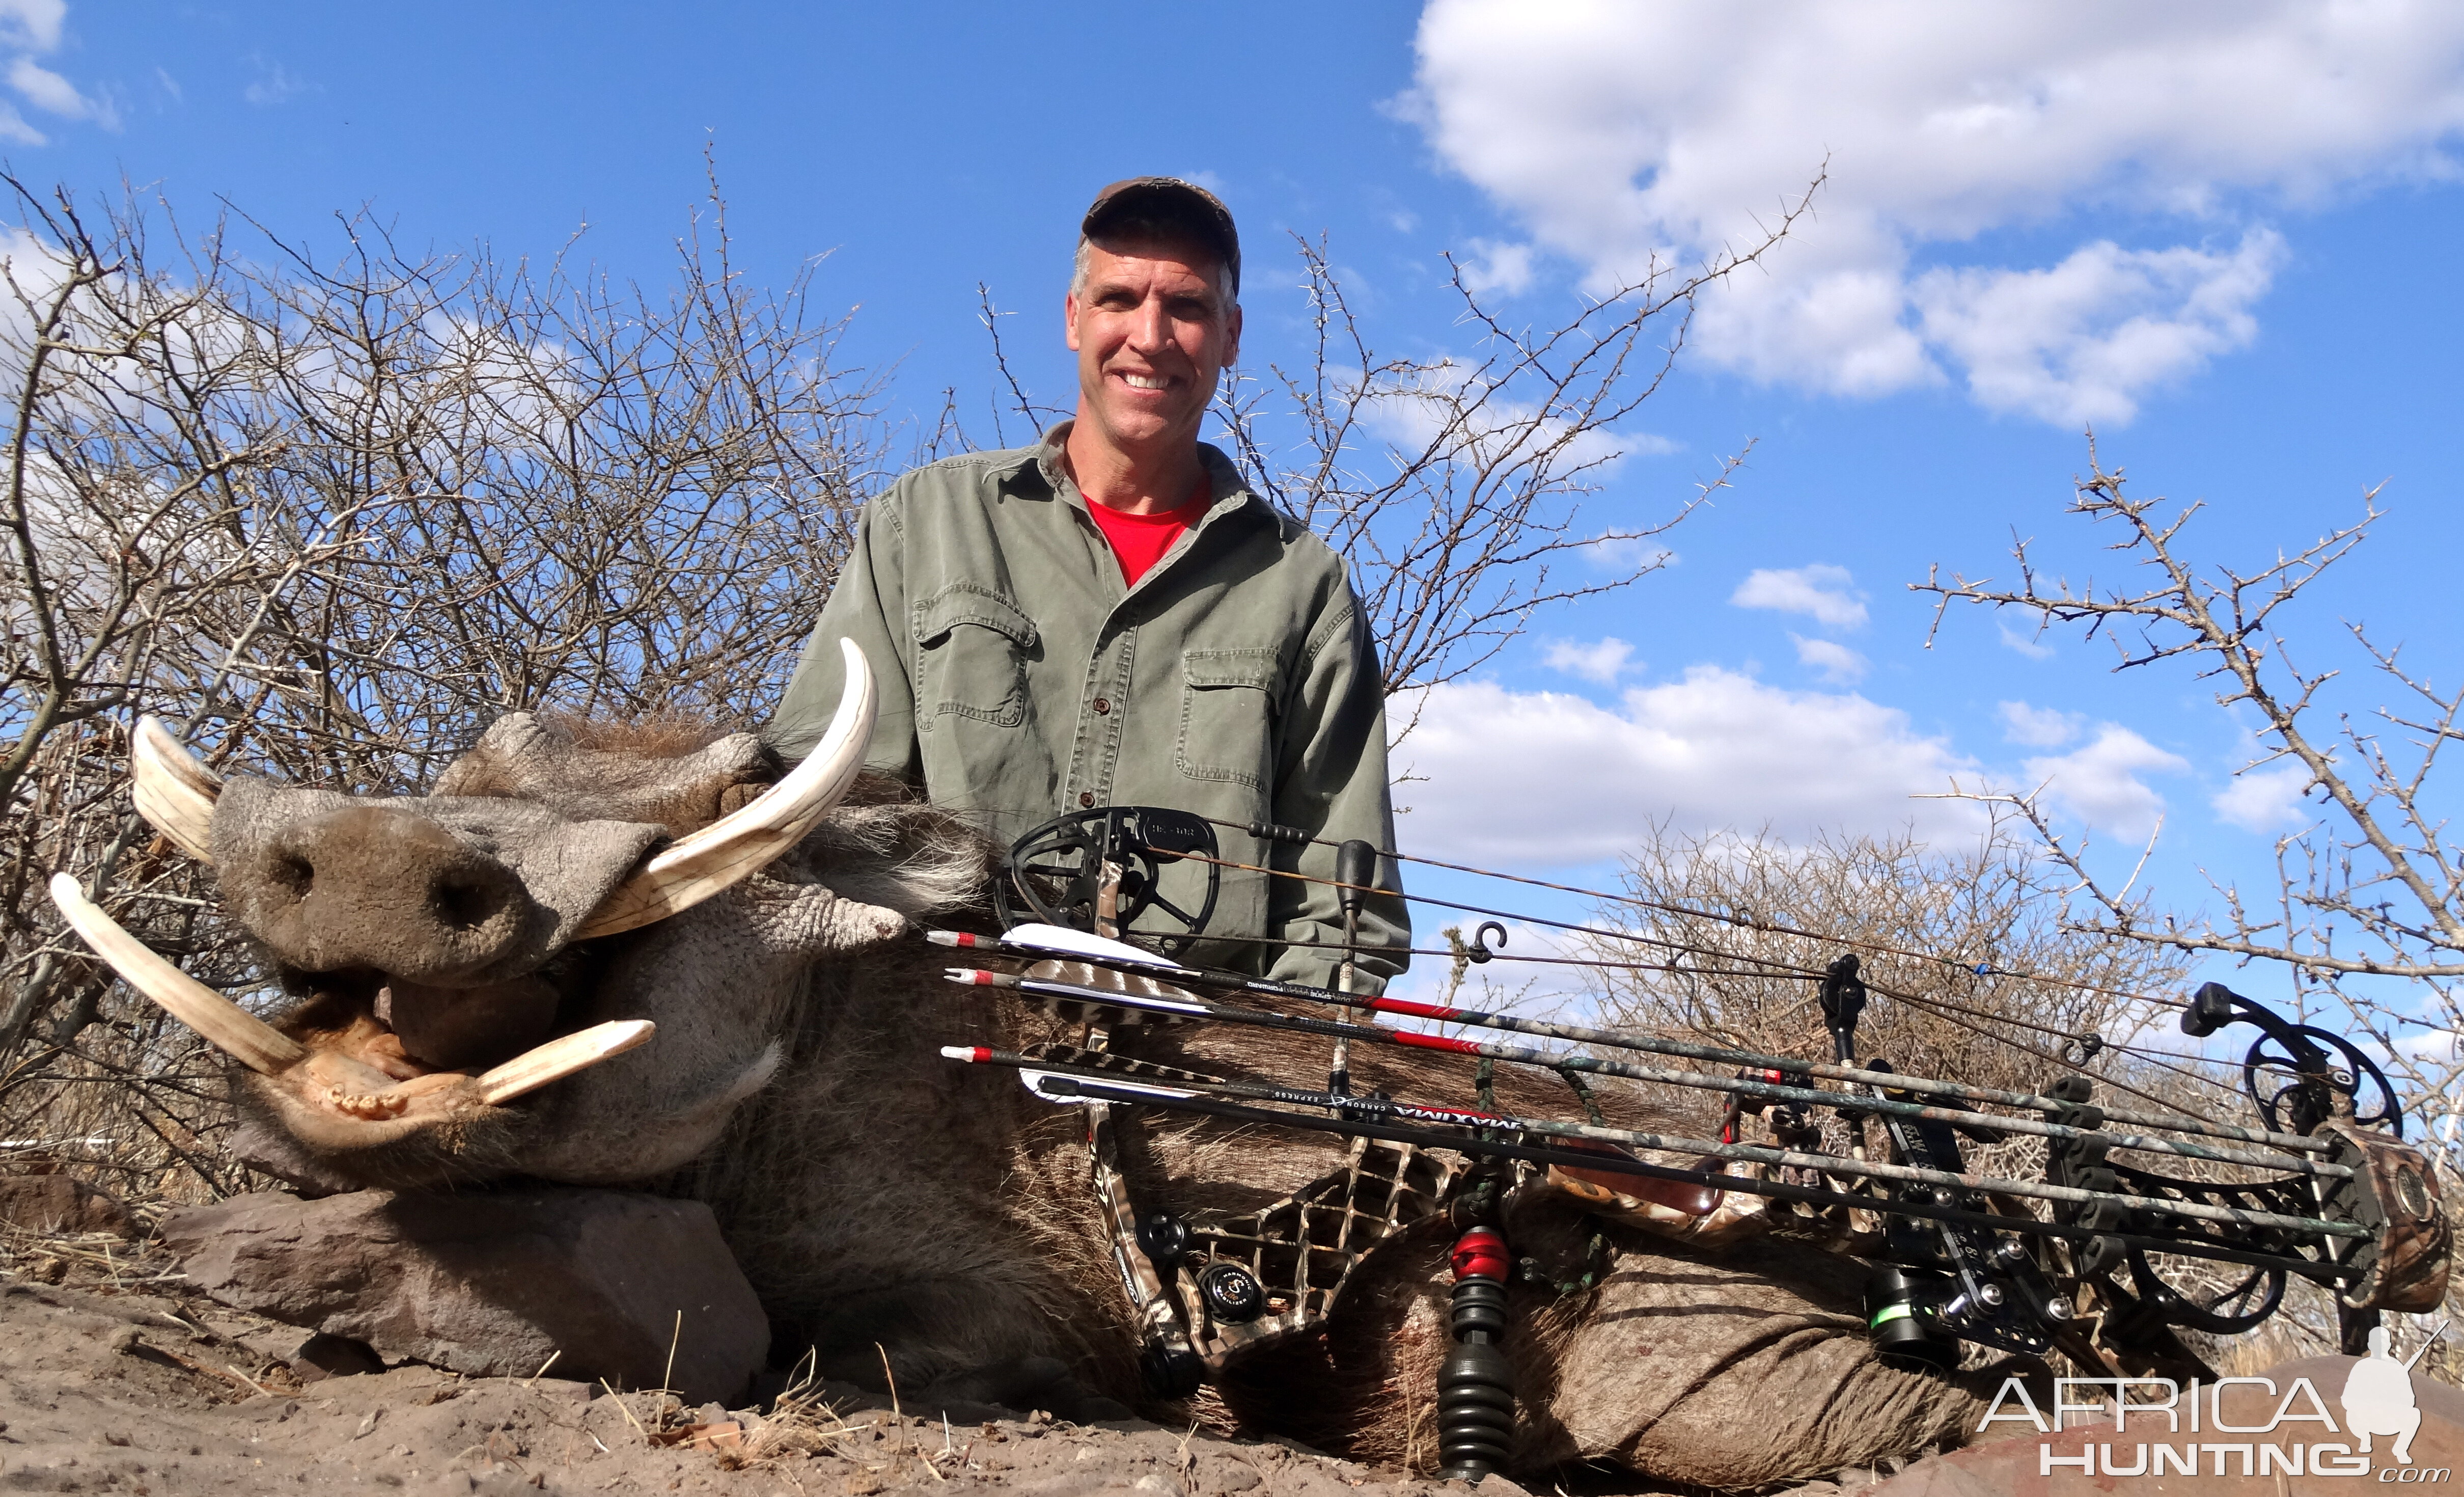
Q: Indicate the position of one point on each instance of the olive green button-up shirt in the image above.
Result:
(1020, 679)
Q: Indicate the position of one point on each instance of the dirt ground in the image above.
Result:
(115, 1377)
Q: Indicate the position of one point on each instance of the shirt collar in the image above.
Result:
(1226, 488)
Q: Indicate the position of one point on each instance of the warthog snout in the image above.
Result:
(366, 885)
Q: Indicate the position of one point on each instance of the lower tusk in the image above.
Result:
(742, 843)
(560, 1058)
(171, 789)
(225, 1024)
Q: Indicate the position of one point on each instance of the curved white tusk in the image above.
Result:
(172, 790)
(562, 1057)
(740, 844)
(229, 1027)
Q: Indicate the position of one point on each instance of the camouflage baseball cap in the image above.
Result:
(1168, 200)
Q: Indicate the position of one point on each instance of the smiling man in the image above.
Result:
(1112, 617)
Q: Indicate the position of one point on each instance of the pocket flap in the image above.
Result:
(971, 603)
(1250, 667)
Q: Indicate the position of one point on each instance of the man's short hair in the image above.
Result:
(1162, 207)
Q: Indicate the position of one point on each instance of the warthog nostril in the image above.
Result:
(462, 904)
(293, 875)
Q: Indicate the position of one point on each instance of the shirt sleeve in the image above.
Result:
(1333, 784)
(868, 605)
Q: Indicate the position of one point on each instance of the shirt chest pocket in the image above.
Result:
(1228, 701)
(972, 646)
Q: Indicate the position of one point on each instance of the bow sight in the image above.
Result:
(1101, 871)
(2098, 1253)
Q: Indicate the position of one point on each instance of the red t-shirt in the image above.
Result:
(1141, 540)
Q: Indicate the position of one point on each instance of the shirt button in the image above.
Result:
(1103, 705)
(1087, 799)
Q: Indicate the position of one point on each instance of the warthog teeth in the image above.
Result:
(742, 843)
(372, 1105)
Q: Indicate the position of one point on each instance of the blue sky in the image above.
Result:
(2224, 232)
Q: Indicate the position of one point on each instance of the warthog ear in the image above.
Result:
(742, 843)
(171, 789)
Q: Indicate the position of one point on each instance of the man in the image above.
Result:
(1112, 618)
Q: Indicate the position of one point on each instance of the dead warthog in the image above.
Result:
(472, 965)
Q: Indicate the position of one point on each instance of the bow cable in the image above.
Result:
(1785, 968)
(1266, 831)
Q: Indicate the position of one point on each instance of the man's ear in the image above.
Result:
(1231, 338)
(1070, 320)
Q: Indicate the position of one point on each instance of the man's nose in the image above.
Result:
(1150, 328)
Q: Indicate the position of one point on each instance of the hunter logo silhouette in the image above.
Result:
(2378, 1399)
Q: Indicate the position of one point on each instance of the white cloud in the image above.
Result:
(2037, 727)
(1448, 405)
(2075, 343)
(274, 84)
(1602, 660)
(1627, 552)
(33, 25)
(2033, 646)
(1490, 265)
(29, 29)
(1616, 132)
(2264, 800)
(1545, 778)
(1819, 591)
(2100, 783)
(48, 91)
(13, 127)
(1837, 663)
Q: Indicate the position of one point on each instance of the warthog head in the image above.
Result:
(480, 971)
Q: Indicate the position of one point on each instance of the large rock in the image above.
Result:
(493, 1285)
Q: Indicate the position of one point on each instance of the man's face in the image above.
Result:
(1151, 332)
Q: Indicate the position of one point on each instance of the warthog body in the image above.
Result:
(878, 1196)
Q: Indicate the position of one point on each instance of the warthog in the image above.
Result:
(470, 965)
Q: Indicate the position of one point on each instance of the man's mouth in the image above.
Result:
(1146, 382)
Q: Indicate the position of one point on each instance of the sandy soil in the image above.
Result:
(114, 1378)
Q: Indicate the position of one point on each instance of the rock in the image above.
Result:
(61, 1203)
(493, 1284)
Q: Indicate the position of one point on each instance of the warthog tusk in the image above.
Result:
(229, 1027)
(560, 1058)
(172, 790)
(740, 844)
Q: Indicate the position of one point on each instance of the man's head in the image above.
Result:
(1152, 312)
